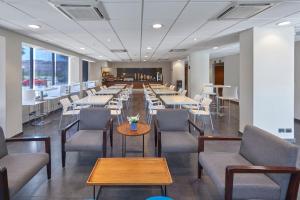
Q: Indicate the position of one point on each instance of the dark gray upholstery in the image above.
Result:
(178, 141)
(22, 167)
(263, 148)
(93, 118)
(246, 186)
(3, 148)
(173, 120)
(85, 140)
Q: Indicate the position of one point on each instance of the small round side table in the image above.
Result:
(124, 130)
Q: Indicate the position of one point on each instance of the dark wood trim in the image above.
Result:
(241, 169)
(297, 120)
(4, 191)
(201, 132)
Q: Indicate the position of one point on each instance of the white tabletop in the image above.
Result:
(164, 92)
(32, 103)
(94, 100)
(217, 86)
(108, 91)
(178, 100)
(158, 87)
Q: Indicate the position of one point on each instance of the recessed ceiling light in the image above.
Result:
(33, 26)
(149, 48)
(157, 26)
(108, 40)
(195, 39)
(145, 60)
(82, 48)
(100, 56)
(215, 48)
(285, 23)
(146, 56)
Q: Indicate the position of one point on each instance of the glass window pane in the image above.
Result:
(25, 66)
(43, 68)
(61, 69)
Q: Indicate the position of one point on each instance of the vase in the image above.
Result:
(133, 126)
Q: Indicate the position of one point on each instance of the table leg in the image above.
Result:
(98, 193)
(164, 190)
(124, 145)
(94, 192)
(143, 145)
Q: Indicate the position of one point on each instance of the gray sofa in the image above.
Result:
(91, 134)
(17, 169)
(264, 167)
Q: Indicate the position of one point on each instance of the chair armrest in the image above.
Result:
(201, 132)
(64, 132)
(244, 169)
(201, 140)
(4, 193)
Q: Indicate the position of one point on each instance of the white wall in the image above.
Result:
(178, 69)
(199, 71)
(166, 67)
(272, 77)
(297, 80)
(2, 84)
(11, 119)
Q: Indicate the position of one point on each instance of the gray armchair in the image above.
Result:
(91, 135)
(173, 132)
(264, 168)
(17, 169)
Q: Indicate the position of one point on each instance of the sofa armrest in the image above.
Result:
(4, 192)
(201, 132)
(201, 140)
(242, 169)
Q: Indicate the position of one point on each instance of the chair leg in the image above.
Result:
(63, 156)
(212, 125)
(59, 126)
(49, 170)
(200, 168)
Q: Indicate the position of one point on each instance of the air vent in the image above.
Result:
(243, 11)
(118, 50)
(177, 50)
(88, 10)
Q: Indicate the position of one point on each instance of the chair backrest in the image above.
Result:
(197, 97)
(183, 93)
(205, 103)
(89, 93)
(208, 89)
(3, 147)
(93, 118)
(28, 96)
(93, 91)
(66, 103)
(265, 149)
(74, 98)
(173, 120)
(180, 90)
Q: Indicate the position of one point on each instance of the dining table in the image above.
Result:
(98, 100)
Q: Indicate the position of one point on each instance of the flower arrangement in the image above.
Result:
(133, 120)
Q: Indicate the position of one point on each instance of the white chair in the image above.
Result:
(203, 110)
(115, 106)
(229, 94)
(89, 93)
(208, 90)
(180, 90)
(93, 91)
(67, 110)
(152, 110)
(74, 98)
(183, 93)
(198, 98)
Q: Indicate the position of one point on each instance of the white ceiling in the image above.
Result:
(130, 26)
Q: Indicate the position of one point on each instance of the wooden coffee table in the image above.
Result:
(130, 172)
(124, 130)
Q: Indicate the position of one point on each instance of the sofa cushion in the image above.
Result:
(246, 186)
(263, 148)
(85, 140)
(3, 147)
(177, 141)
(22, 167)
(94, 118)
(173, 120)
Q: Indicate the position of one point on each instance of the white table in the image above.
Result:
(158, 87)
(217, 94)
(108, 91)
(94, 100)
(121, 84)
(117, 87)
(164, 92)
(178, 100)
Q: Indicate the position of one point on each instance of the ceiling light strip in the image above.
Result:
(174, 22)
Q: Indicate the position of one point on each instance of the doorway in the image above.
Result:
(186, 78)
(219, 75)
(85, 71)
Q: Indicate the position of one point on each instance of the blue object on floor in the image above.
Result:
(159, 198)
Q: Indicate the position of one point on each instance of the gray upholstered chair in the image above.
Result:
(173, 132)
(264, 167)
(91, 132)
(18, 168)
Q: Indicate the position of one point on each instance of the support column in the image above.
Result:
(178, 72)
(199, 71)
(267, 80)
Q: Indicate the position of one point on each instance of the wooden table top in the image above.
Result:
(130, 171)
(142, 129)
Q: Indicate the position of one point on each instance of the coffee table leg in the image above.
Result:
(124, 145)
(99, 192)
(94, 192)
(163, 190)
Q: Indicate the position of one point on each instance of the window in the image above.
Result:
(85, 70)
(61, 69)
(26, 67)
(43, 68)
